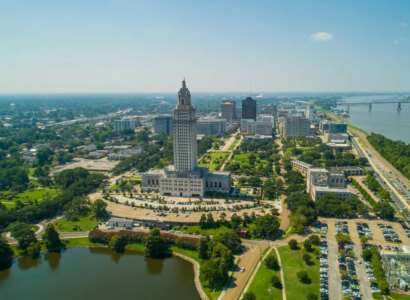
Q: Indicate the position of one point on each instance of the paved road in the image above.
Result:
(361, 274)
(248, 260)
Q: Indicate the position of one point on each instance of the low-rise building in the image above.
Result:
(300, 165)
(121, 222)
(211, 126)
(320, 181)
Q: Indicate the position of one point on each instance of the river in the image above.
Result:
(97, 273)
(383, 118)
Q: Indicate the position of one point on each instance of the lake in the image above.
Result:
(383, 118)
(97, 273)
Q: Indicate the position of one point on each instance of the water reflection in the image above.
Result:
(154, 266)
(53, 259)
(26, 262)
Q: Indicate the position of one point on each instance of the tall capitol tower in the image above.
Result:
(185, 178)
(184, 132)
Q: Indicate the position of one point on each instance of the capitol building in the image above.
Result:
(185, 178)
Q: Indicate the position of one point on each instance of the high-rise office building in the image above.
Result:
(163, 124)
(249, 108)
(120, 125)
(295, 126)
(228, 109)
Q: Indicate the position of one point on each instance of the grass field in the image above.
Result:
(292, 263)
(232, 146)
(83, 224)
(261, 285)
(27, 196)
(213, 160)
(196, 228)
(246, 166)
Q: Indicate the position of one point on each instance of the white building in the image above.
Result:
(295, 126)
(185, 178)
(211, 126)
(320, 181)
(120, 125)
(262, 126)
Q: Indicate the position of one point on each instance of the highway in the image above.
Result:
(388, 176)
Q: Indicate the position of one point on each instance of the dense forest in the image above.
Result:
(396, 152)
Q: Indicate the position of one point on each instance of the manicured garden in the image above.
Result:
(9, 199)
(213, 160)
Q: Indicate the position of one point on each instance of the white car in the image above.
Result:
(243, 269)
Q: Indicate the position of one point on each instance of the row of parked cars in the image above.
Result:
(321, 227)
(342, 227)
(324, 267)
(350, 285)
(405, 227)
(388, 233)
(364, 230)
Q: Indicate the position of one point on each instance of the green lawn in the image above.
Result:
(261, 285)
(83, 224)
(398, 296)
(27, 196)
(292, 263)
(232, 146)
(196, 228)
(241, 164)
(213, 160)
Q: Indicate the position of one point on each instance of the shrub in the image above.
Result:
(303, 277)
(306, 258)
(276, 282)
(249, 296)
(307, 244)
(367, 254)
(293, 244)
(311, 296)
(271, 262)
(314, 239)
(187, 243)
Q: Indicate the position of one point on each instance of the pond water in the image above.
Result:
(97, 273)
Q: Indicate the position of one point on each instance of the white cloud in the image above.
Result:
(321, 36)
(396, 42)
(403, 23)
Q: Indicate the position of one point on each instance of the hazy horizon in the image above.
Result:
(228, 46)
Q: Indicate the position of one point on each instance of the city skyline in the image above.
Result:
(138, 47)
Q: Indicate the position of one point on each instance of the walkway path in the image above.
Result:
(282, 275)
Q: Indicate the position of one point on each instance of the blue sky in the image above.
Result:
(149, 46)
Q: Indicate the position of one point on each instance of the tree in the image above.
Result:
(306, 258)
(315, 240)
(230, 240)
(307, 244)
(311, 296)
(44, 156)
(6, 254)
(303, 277)
(203, 247)
(210, 223)
(235, 221)
(249, 296)
(367, 254)
(265, 226)
(51, 238)
(34, 249)
(293, 244)
(202, 222)
(117, 243)
(271, 262)
(24, 237)
(276, 282)
(155, 246)
(99, 209)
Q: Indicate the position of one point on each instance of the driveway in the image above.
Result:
(335, 285)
